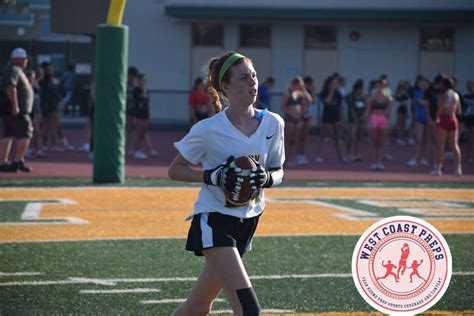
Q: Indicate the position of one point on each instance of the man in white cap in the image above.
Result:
(17, 123)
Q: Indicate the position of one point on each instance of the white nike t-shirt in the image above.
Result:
(211, 141)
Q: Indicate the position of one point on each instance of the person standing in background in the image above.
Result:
(291, 107)
(17, 124)
(307, 102)
(130, 128)
(199, 102)
(402, 96)
(50, 98)
(356, 102)
(264, 94)
(447, 127)
(379, 107)
(35, 144)
(430, 100)
(421, 120)
(468, 120)
(68, 82)
(331, 118)
(141, 119)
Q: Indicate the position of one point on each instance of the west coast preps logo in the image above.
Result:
(401, 265)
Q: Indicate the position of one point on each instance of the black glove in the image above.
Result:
(260, 178)
(233, 180)
(216, 176)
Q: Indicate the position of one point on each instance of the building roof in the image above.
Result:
(225, 12)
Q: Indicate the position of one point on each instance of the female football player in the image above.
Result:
(219, 232)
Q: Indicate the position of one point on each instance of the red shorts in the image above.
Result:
(378, 121)
(448, 122)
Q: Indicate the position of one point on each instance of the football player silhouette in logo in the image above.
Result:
(389, 267)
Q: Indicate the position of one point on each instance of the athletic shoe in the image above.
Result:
(318, 159)
(347, 159)
(85, 147)
(401, 142)
(20, 165)
(40, 154)
(388, 157)
(356, 158)
(140, 155)
(412, 163)
(436, 172)
(411, 141)
(423, 162)
(66, 145)
(374, 166)
(153, 153)
(380, 166)
(301, 160)
(7, 167)
(57, 148)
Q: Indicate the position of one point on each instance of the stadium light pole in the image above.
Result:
(111, 60)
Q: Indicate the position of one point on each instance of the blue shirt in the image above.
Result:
(264, 97)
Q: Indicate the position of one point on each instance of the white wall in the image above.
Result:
(335, 4)
(160, 47)
(287, 57)
(464, 56)
(381, 49)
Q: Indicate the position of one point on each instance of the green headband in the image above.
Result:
(229, 62)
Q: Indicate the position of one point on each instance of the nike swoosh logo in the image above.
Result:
(268, 137)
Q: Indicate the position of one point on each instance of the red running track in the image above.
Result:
(76, 164)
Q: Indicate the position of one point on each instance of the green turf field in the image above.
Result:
(139, 263)
(300, 274)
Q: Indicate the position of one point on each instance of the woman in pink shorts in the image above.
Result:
(447, 131)
(379, 108)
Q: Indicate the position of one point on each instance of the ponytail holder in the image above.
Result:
(228, 63)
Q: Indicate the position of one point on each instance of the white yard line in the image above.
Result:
(121, 291)
(173, 300)
(269, 311)
(112, 282)
(196, 187)
(20, 273)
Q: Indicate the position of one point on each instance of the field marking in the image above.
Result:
(269, 311)
(32, 211)
(119, 291)
(360, 214)
(20, 273)
(353, 214)
(257, 235)
(173, 300)
(112, 282)
(197, 186)
(380, 203)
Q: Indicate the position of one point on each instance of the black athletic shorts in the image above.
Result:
(468, 121)
(402, 109)
(209, 230)
(330, 115)
(18, 126)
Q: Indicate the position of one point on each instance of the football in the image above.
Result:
(242, 194)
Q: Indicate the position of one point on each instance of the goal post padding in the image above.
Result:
(109, 109)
